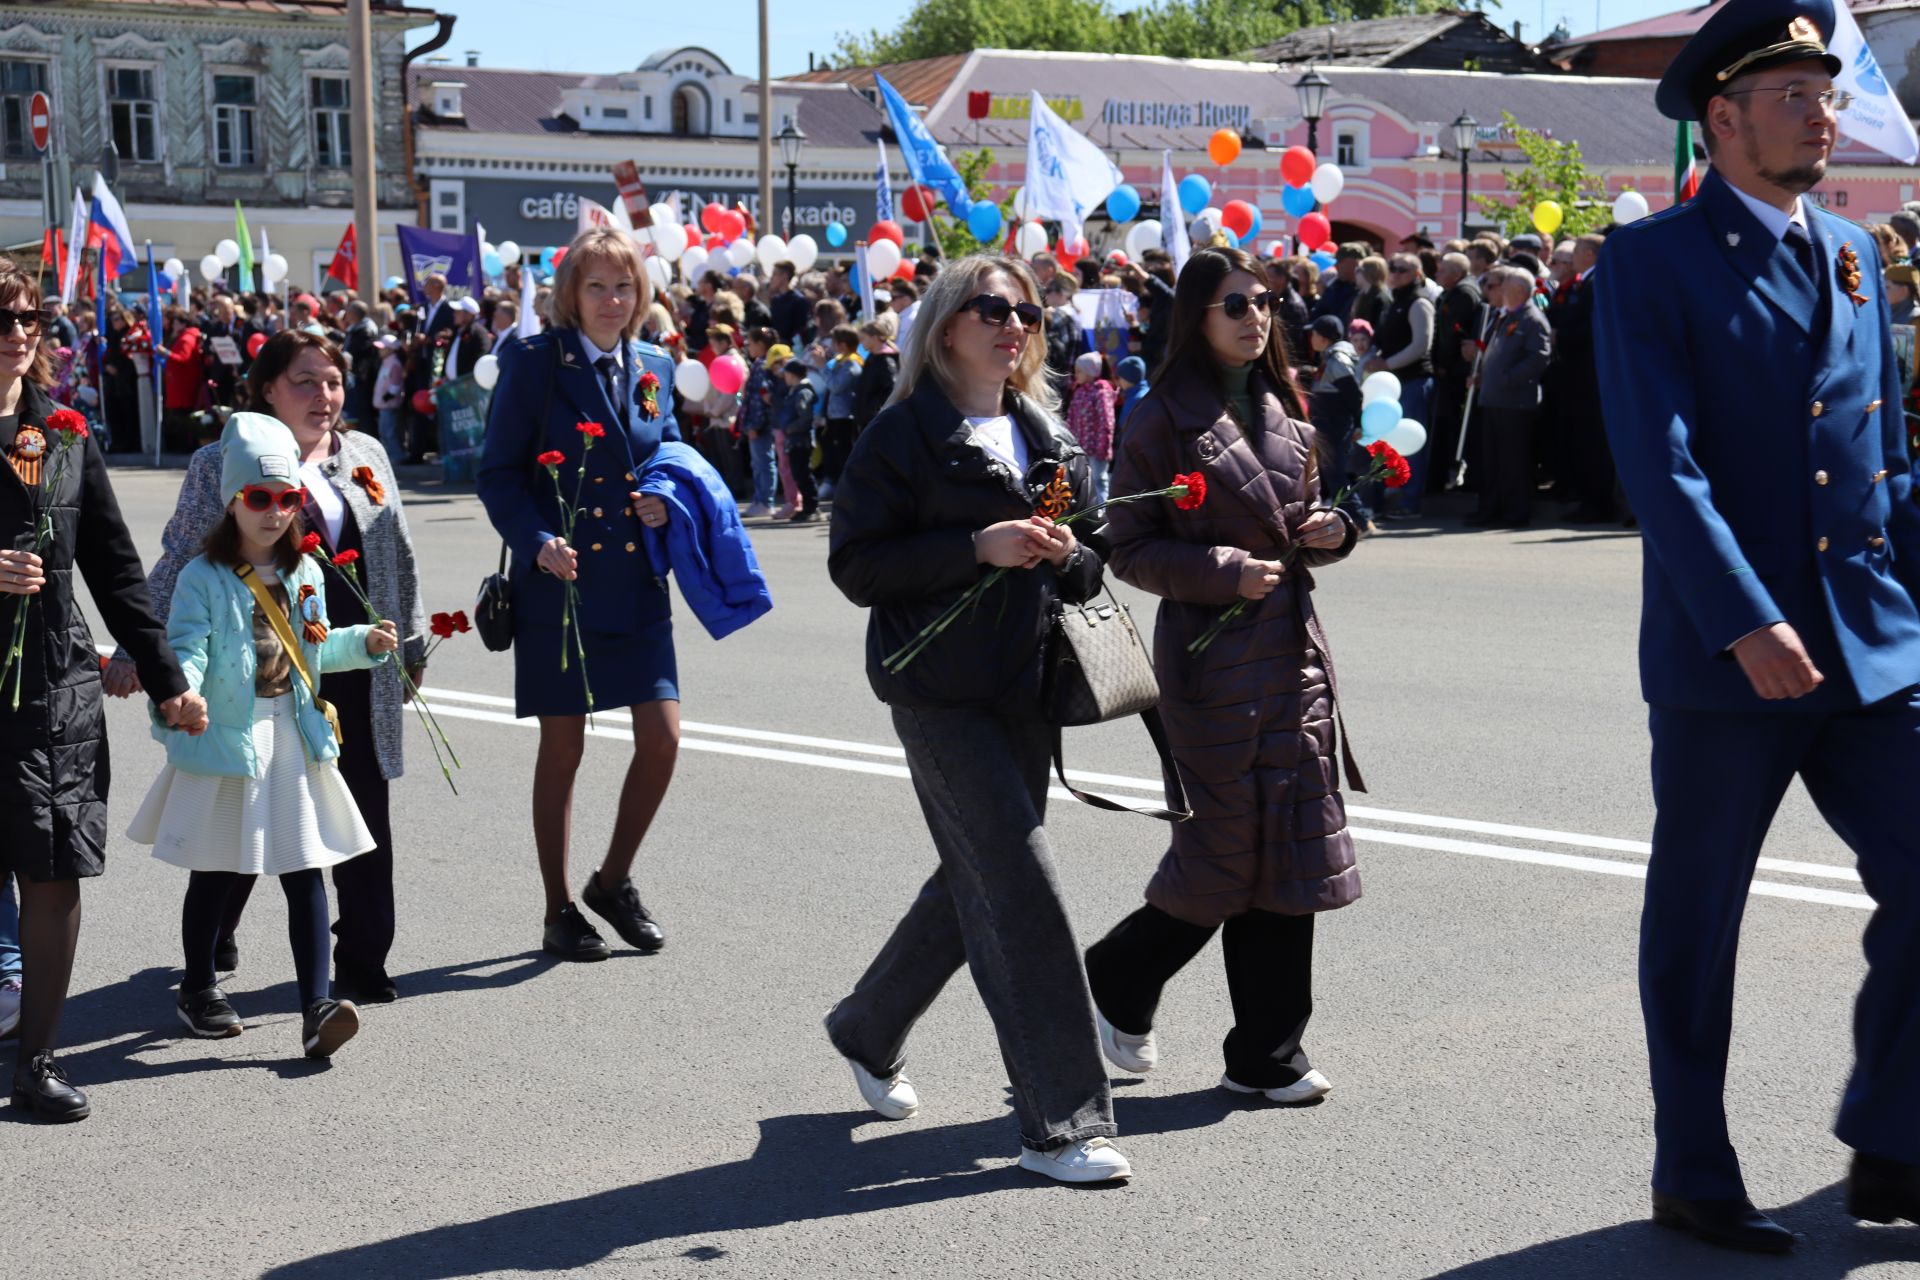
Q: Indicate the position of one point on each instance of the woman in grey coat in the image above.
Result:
(353, 503)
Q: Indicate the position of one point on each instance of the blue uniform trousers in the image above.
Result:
(1718, 778)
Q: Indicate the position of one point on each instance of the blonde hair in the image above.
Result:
(599, 246)
(883, 325)
(958, 284)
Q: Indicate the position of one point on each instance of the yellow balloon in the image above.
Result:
(1547, 217)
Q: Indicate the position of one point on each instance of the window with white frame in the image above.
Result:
(332, 121)
(449, 196)
(1350, 146)
(20, 79)
(133, 113)
(236, 120)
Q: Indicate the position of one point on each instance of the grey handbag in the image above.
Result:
(1097, 670)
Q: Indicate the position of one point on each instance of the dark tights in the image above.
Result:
(209, 900)
(49, 935)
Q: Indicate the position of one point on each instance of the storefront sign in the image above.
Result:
(1178, 115)
(1009, 106)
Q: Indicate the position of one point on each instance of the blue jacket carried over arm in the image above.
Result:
(703, 543)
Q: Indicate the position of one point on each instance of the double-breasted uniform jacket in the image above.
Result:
(1756, 421)
(1251, 719)
(54, 768)
(548, 387)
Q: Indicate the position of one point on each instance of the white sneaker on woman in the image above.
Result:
(1095, 1160)
(1307, 1088)
(892, 1096)
(1138, 1054)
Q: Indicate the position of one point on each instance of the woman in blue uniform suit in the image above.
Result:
(588, 368)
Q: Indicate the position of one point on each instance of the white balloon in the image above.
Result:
(509, 252)
(487, 247)
(691, 381)
(486, 371)
(693, 262)
(883, 258)
(274, 268)
(1381, 386)
(658, 269)
(228, 252)
(1629, 206)
(211, 268)
(1020, 202)
(664, 215)
(175, 268)
(1143, 236)
(770, 250)
(740, 252)
(1328, 182)
(1205, 223)
(669, 239)
(1032, 238)
(1408, 438)
(802, 252)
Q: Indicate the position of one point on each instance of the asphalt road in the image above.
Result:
(682, 1114)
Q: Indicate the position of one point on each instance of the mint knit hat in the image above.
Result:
(256, 449)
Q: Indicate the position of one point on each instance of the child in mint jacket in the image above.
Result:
(259, 792)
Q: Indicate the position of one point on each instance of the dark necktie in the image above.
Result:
(610, 383)
(1796, 240)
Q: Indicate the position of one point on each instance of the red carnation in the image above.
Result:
(345, 558)
(309, 544)
(551, 458)
(592, 430)
(649, 381)
(441, 625)
(460, 624)
(1196, 490)
(68, 421)
(1398, 470)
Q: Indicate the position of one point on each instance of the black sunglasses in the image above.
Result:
(996, 311)
(1236, 304)
(28, 322)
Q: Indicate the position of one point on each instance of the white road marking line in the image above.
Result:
(1442, 844)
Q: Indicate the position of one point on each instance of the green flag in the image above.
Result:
(1686, 179)
(246, 245)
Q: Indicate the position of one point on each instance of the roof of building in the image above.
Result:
(1370, 42)
(280, 8)
(1682, 23)
(920, 82)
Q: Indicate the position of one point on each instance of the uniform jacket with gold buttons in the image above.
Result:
(1755, 418)
(547, 387)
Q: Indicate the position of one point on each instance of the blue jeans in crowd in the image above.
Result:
(390, 433)
(1416, 400)
(766, 475)
(9, 931)
(1102, 473)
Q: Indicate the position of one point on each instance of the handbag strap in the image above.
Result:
(1155, 730)
(278, 621)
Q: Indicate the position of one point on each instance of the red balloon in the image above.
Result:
(917, 203)
(1117, 259)
(710, 216)
(254, 344)
(1237, 217)
(423, 403)
(1314, 227)
(716, 240)
(732, 224)
(903, 272)
(886, 229)
(1296, 166)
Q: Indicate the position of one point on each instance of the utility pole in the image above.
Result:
(766, 130)
(366, 201)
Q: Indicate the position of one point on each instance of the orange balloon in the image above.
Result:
(1223, 146)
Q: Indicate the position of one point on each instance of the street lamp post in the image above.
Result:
(792, 142)
(1312, 88)
(1465, 131)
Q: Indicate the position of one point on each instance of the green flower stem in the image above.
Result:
(16, 663)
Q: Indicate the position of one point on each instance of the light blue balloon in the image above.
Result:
(547, 258)
(836, 234)
(1297, 201)
(1123, 203)
(394, 282)
(984, 222)
(1377, 419)
(1253, 230)
(1321, 260)
(1195, 191)
(492, 265)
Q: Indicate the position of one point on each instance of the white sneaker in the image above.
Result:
(1307, 1088)
(757, 510)
(1095, 1160)
(1138, 1054)
(892, 1097)
(9, 1006)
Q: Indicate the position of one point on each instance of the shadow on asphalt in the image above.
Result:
(1831, 1245)
(806, 1167)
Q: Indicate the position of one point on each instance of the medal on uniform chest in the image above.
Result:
(28, 455)
(1848, 266)
(313, 616)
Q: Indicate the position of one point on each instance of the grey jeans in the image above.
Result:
(994, 904)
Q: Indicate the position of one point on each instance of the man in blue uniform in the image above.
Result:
(1755, 418)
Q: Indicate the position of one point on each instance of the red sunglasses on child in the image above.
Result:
(260, 497)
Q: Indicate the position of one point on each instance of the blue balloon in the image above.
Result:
(984, 222)
(1321, 260)
(1259, 221)
(836, 234)
(1195, 191)
(1297, 201)
(492, 265)
(1123, 203)
(394, 282)
(1377, 419)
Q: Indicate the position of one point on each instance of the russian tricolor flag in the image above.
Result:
(107, 230)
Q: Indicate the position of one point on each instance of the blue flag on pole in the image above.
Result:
(926, 159)
(156, 321)
(453, 254)
(882, 193)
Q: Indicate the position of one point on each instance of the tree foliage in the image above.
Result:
(954, 239)
(1170, 28)
(1556, 172)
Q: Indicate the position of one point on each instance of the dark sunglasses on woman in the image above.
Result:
(996, 311)
(1236, 304)
(28, 322)
(261, 497)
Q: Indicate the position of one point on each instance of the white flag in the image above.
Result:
(598, 215)
(1173, 219)
(76, 240)
(1068, 175)
(529, 318)
(1876, 116)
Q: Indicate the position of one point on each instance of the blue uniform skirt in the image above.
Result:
(626, 668)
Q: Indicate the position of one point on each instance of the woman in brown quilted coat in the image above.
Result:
(1251, 718)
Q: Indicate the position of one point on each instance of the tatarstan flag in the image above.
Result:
(1686, 178)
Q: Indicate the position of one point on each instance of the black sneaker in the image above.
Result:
(207, 1014)
(572, 938)
(226, 955)
(621, 907)
(41, 1086)
(328, 1025)
(364, 988)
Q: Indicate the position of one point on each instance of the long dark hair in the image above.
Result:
(1189, 352)
(222, 545)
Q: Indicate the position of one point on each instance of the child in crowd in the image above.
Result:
(390, 394)
(1090, 416)
(1360, 335)
(778, 356)
(756, 421)
(259, 792)
(836, 410)
(1132, 374)
(796, 418)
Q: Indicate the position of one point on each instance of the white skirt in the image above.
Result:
(297, 815)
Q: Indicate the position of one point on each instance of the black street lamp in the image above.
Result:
(1466, 130)
(792, 142)
(1312, 88)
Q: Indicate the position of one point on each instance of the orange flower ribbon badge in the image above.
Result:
(313, 616)
(1057, 498)
(1849, 273)
(376, 492)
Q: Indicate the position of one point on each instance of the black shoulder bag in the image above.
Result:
(493, 610)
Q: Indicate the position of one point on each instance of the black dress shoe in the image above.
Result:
(226, 955)
(621, 908)
(41, 1086)
(1881, 1190)
(364, 988)
(571, 938)
(1731, 1224)
(207, 1014)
